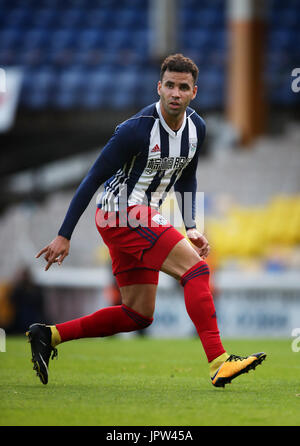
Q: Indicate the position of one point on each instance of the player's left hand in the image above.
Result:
(200, 243)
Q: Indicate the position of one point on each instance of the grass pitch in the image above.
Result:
(147, 382)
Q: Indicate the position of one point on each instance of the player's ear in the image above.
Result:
(158, 87)
(195, 89)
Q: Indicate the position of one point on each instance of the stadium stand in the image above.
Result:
(71, 52)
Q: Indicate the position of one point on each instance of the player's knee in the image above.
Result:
(199, 271)
(198, 266)
(147, 322)
(147, 315)
(181, 258)
(141, 319)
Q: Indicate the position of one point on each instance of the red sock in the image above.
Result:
(105, 322)
(201, 309)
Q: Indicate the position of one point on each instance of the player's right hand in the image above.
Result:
(199, 241)
(56, 251)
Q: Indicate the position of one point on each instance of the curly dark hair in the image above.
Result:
(181, 64)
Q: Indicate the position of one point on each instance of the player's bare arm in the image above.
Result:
(56, 251)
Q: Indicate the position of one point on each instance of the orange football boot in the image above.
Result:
(235, 366)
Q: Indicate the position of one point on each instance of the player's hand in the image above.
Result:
(200, 243)
(56, 251)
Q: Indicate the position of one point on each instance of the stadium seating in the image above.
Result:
(68, 43)
(250, 231)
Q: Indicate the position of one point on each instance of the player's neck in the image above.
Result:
(174, 122)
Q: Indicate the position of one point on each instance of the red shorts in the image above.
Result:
(138, 240)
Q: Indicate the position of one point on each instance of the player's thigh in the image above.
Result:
(140, 297)
(180, 259)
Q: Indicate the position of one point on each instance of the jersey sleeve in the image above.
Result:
(122, 146)
(186, 185)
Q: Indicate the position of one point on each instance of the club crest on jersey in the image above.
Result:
(193, 146)
(157, 164)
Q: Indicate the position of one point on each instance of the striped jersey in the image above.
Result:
(140, 164)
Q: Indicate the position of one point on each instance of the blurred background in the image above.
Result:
(71, 70)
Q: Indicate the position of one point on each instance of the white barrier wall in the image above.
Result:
(260, 305)
(242, 313)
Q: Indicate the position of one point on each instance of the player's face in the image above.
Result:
(176, 90)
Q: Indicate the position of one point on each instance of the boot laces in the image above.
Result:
(236, 358)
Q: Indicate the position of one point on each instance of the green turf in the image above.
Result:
(147, 382)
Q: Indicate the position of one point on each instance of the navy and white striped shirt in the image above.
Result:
(140, 164)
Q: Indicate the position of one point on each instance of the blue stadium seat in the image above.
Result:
(88, 38)
(139, 41)
(44, 18)
(98, 87)
(146, 87)
(38, 86)
(61, 38)
(70, 83)
(107, 42)
(195, 39)
(116, 39)
(97, 18)
(125, 88)
(280, 38)
(10, 38)
(18, 17)
(69, 18)
(34, 38)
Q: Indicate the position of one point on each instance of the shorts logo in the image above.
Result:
(160, 220)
